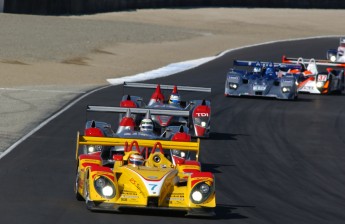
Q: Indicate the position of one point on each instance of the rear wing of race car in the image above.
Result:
(266, 64)
(166, 87)
(112, 141)
(182, 113)
(320, 62)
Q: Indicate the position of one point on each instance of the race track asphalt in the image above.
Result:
(274, 161)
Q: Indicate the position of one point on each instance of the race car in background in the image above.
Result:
(127, 128)
(194, 114)
(337, 55)
(261, 79)
(311, 80)
(143, 179)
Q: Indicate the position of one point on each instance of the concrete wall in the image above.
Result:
(63, 7)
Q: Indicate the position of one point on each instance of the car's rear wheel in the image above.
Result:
(329, 92)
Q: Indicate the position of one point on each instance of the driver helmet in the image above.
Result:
(174, 99)
(146, 125)
(257, 69)
(269, 71)
(136, 159)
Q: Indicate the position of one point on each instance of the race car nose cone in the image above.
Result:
(199, 131)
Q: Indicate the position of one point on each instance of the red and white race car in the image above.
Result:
(311, 80)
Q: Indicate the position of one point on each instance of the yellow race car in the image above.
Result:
(143, 176)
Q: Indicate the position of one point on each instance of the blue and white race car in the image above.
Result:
(262, 79)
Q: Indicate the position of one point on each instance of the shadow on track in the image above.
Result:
(224, 136)
(213, 168)
(225, 212)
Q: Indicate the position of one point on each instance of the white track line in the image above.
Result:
(9, 149)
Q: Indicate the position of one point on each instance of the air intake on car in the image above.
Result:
(152, 201)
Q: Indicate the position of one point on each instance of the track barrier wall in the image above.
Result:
(1, 6)
(75, 7)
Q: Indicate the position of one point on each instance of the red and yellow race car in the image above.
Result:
(146, 175)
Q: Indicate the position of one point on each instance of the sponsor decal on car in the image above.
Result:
(234, 77)
(202, 114)
(176, 198)
(322, 78)
(307, 88)
(259, 88)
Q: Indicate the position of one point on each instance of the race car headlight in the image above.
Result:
(197, 196)
(204, 188)
(286, 89)
(183, 154)
(319, 84)
(94, 148)
(200, 193)
(91, 149)
(107, 191)
(104, 187)
(333, 58)
(178, 153)
(201, 121)
(100, 182)
(233, 85)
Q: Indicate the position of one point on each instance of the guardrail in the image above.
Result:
(73, 7)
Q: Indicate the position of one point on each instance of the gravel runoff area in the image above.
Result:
(48, 60)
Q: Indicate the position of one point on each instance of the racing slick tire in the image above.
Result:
(342, 82)
(329, 92)
(78, 196)
(340, 85)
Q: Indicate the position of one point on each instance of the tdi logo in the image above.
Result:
(202, 114)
